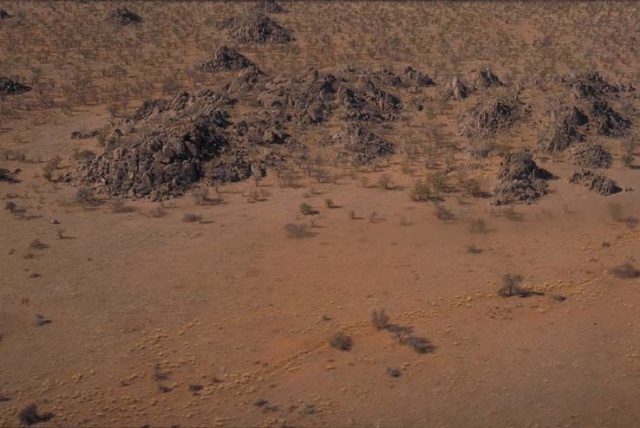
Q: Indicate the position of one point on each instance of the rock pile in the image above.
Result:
(521, 180)
(225, 59)
(595, 182)
(486, 118)
(269, 6)
(172, 145)
(12, 87)
(456, 90)
(256, 28)
(592, 85)
(591, 156)
(607, 121)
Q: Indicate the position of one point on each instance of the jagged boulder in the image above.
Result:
(256, 28)
(225, 59)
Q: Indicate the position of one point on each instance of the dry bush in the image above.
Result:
(384, 182)
(119, 206)
(15, 209)
(37, 244)
(29, 415)
(341, 342)
(478, 225)
(379, 319)
(50, 167)
(625, 271)
(191, 218)
(420, 192)
(421, 345)
(297, 231)
(442, 213)
(511, 287)
(307, 209)
(84, 194)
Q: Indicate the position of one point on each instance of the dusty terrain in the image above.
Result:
(117, 311)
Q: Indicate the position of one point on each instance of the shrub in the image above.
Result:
(191, 218)
(38, 245)
(421, 345)
(119, 206)
(420, 192)
(50, 168)
(201, 196)
(306, 209)
(341, 342)
(511, 287)
(443, 213)
(84, 194)
(384, 181)
(379, 319)
(471, 187)
(30, 416)
(438, 181)
(478, 225)
(625, 271)
(394, 372)
(472, 249)
(296, 231)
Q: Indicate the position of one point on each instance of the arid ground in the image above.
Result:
(474, 263)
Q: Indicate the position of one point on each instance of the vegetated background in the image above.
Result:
(72, 55)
